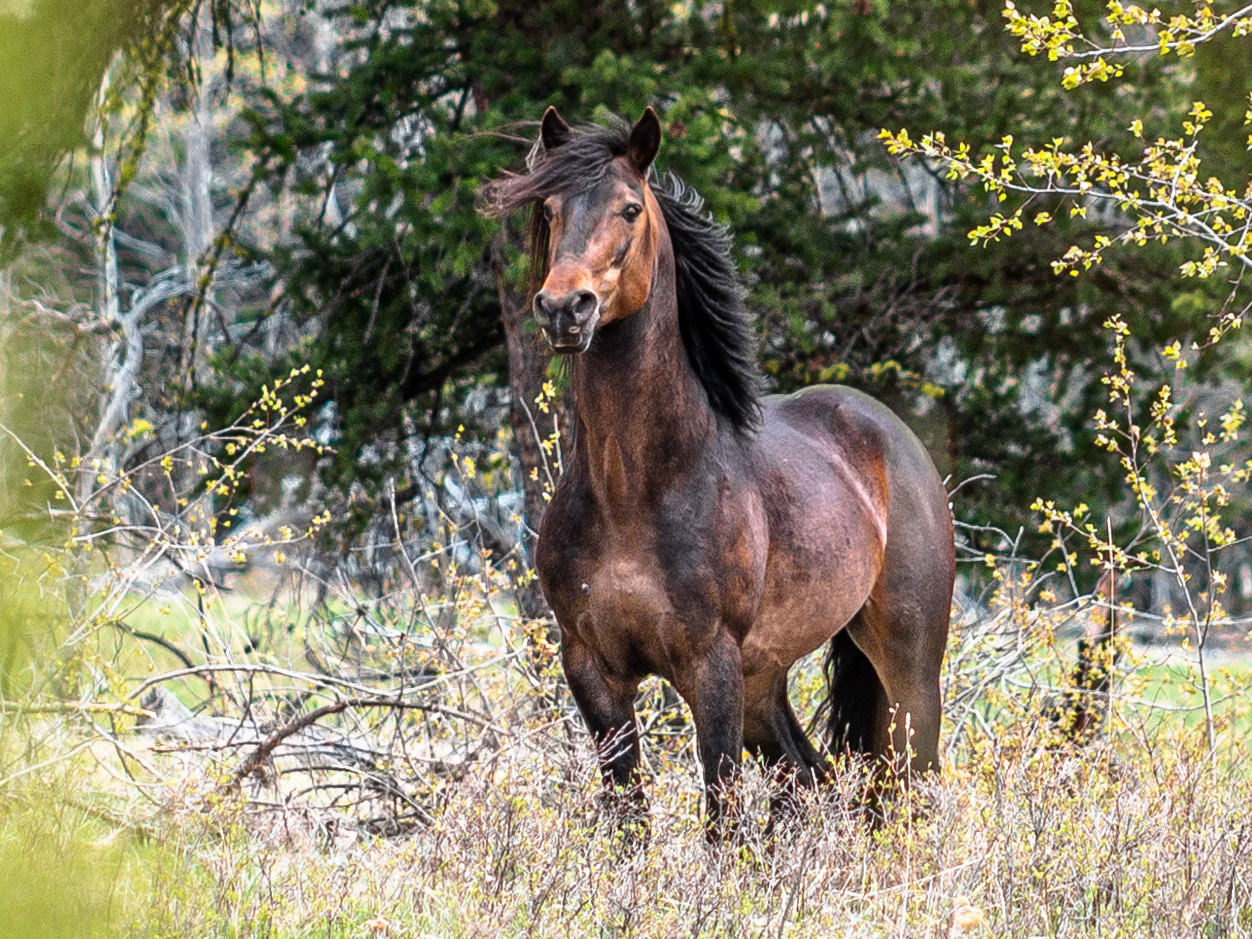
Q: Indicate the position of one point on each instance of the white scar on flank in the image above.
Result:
(868, 503)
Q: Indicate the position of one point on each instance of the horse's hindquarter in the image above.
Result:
(840, 476)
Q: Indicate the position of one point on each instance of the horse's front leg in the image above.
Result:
(608, 707)
(712, 685)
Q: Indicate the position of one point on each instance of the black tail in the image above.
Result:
(856, 702)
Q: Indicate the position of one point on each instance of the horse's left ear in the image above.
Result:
(644, 142)
(553, 130)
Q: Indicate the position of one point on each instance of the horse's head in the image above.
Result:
(596, 236)
(609, 239)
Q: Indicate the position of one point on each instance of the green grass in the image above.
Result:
(1031, 844)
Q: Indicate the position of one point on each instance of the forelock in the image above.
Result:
(578, 165)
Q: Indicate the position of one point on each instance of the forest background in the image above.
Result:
(268, 186)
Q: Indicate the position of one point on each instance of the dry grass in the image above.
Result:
(1011, 842)
(469, 805)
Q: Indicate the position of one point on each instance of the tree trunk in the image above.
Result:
(118, 385)
(198, 199)
(528, 362)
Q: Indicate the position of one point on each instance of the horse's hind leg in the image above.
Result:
(904, 639)
(817, 764)
(903, 626)
(608, 707)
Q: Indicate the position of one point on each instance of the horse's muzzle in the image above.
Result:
(568, 321)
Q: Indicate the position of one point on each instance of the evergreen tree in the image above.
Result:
(391, 280)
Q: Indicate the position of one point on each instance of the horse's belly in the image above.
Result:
(814, 586)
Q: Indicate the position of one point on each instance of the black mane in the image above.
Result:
(711, 313)
(712, 318)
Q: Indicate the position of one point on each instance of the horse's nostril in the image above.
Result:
(542, 312)
(584, 305)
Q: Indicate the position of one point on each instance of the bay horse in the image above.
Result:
(702, 531)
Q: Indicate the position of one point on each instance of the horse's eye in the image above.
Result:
(632, 211)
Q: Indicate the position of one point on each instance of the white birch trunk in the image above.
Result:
(198, 199)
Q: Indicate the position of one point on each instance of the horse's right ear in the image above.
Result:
(644, 141)
(553, 131)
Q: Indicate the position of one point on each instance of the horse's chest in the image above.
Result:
(617, 602)
(623, 590)
(654, 589)
(641, 610)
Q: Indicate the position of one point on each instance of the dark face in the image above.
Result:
(603, 244)
(600, 269)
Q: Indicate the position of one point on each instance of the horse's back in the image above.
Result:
(861, 432)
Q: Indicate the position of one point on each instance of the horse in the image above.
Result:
(702, 531)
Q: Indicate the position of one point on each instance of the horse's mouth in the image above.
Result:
(571, 338)
(572, 345)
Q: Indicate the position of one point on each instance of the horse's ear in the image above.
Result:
(553, 131)
(644, 142)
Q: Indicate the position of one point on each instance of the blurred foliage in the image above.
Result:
(54, 884)
(56, 881)
(57, 878)
(53, 58)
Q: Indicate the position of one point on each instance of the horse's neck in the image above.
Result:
(642, 416)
